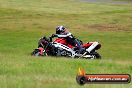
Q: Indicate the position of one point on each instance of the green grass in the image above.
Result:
(23, 22)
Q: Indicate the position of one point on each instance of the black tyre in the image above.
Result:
(97, 55)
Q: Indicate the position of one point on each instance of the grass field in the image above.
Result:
(23, 22)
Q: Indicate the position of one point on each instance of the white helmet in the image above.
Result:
(60, 29)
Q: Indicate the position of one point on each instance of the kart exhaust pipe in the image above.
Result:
(92, 47)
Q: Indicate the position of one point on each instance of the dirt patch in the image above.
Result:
(102, 27)
(107, 27)
(117, 2)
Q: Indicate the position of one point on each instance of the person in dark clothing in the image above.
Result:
(62, 32)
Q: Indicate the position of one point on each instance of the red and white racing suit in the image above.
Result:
(70, 39)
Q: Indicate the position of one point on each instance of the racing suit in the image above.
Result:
(70, 39)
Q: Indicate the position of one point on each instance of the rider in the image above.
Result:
(62, 32)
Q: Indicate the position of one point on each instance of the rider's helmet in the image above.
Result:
(60, 29)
